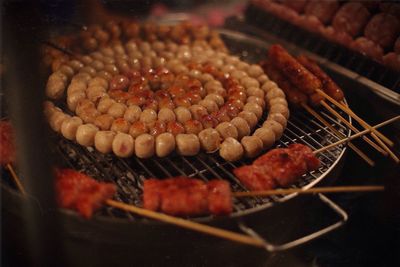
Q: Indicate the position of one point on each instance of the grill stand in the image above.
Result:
(270, 247)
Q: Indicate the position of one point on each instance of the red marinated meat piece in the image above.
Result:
(297, 5)
(392, 60)
(368, 48)
(254, 178)
(323, 10)
(219, 197)
(383, 29)
(396, 47)
(80, 192)
(284, 166)
(351, 18)
(183, 196)
(306, 153)
(7, 147)
(280, 166)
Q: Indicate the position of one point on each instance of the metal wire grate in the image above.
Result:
(129, 174)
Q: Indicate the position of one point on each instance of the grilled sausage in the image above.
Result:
(293, 70)
(329, 86)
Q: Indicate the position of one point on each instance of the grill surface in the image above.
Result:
(129, 174)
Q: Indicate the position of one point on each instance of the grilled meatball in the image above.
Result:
(280, 109)
(278, 118)
(123, 145)
(252, 146)
(209, 140)
(254, 108)
(250, 117)
(138, 128)
(219, 100)
(56, 120)
(132, 113)
(182, 114)
(104, 104)
(242, 127)
(227, 129)
(231, 149)
(266, 135)
(165, 144)
(187, 144)
(85, 134)
(103, 141)
(104, 121)
(117, 110)
(275, 126)
(144, 146)
(70, 126)
(166, 115)
(56, 85)
(120, 125)
(148, 116)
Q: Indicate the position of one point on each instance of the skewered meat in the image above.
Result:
(252, 145)
(293, 70)
(7, 147)
(209, 140)
(297, 5)
(281, 166)
(80, 192)
(328, 85)
(182, 196)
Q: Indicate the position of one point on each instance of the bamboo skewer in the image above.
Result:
(356, 135)
(16, 179)
(348, 124)
(339, 134)
(241, 238)
(355, 116)
(385, 147)
(315, 190)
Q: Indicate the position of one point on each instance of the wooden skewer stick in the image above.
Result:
(354, 136)
(339, 134)
(16, 179)
(315, 190)
(348, 124)
(241, 238)
(385, 147)
(356, 117)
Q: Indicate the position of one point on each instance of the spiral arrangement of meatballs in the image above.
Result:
(148, 91)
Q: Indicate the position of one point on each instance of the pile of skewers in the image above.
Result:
(306, 84)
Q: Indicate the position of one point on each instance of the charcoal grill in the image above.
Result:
(129, 174)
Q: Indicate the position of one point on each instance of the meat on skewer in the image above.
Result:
(293, 70)
(278, 167)
(184, 196)
(80, 192)
(328, 85)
